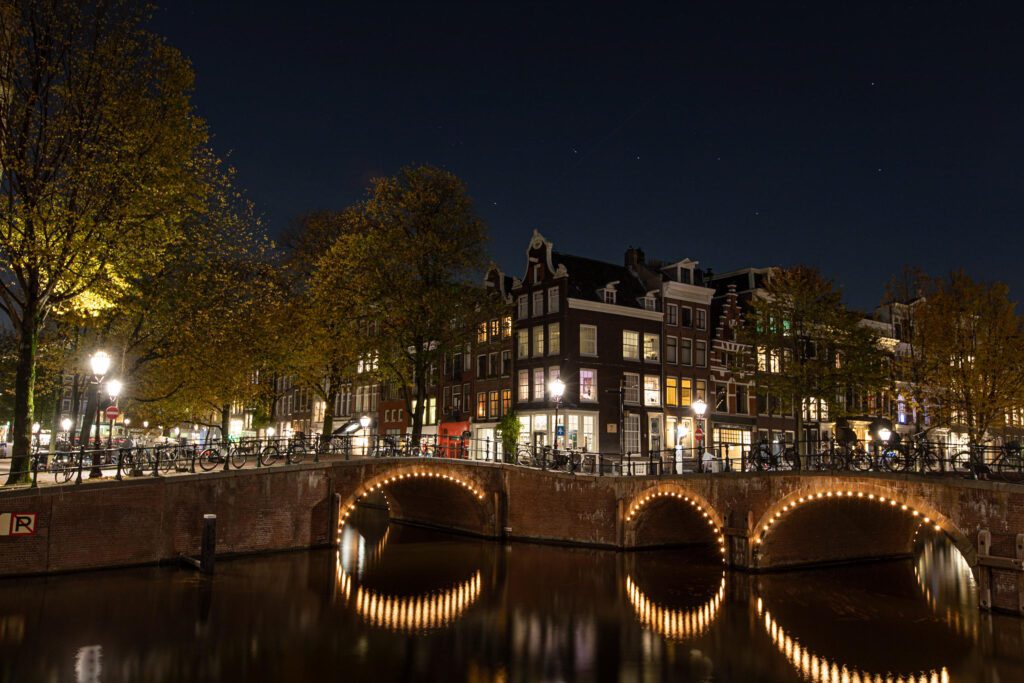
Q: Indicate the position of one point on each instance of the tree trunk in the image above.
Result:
(332, 396)
(55, 422)
(91, 406)
(24, 388)
(417, 415)
(798, 407)
(76, 401)
(225, 422)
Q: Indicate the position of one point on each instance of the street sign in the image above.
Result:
(112, 412)
(17, 523)
(699, 434)
(560, 430)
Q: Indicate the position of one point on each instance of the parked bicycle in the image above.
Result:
(293, 453)
(764, 457)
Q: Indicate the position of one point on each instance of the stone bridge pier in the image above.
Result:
(759, 522)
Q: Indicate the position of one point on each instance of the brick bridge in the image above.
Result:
(760, 521)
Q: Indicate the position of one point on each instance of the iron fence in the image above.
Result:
(1005, 462)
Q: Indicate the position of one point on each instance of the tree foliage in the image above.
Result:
(407, 266)
(804, 344)
(99, 150)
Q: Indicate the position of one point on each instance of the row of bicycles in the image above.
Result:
(166, 458)
(914, 455)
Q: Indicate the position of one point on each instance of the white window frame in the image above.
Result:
(652, 343)
(592, 398)
(631, 433)
(671, 349)
(652, 396)
(554, 339)
(585, 351)
(538, 340)
(671, 314)
(523, 386)
(523, 311)
(631, 388)
(522, 343)
(538, 298)
(553, 302)
(635, 345)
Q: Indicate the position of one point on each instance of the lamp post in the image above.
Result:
(99, 363)
(682, 431)
(556, 389)
(364, 422)
(113, 391)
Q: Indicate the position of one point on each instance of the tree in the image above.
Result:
(970, 338)
(407, 267)
(97, 154)
(903, 301)
(509, 429)
(807, 345)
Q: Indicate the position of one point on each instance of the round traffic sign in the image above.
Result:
(699, 433)
(112, 412)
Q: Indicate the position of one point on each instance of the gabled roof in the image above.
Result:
(587, 276)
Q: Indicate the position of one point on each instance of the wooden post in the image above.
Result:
(209, 544)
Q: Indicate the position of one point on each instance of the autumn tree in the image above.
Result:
(804, 344)
(97, 150)
(969, 337)
(408, 265)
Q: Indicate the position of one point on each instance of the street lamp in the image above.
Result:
(699, 408)
(556, 389)
(270, 432)
(884, 433)
(113, 391)
(99, 363)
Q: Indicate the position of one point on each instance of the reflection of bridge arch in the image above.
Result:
(819, 669)
(637, 511)
(920, 514)
(675, 624)
(404, 613)
(964, 623)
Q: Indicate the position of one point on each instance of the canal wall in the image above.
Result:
(151, 520)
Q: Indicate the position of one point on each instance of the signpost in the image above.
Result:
(112, 412)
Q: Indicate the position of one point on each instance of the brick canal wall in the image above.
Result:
(149, 520)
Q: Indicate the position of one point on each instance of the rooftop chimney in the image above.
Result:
(634, 256)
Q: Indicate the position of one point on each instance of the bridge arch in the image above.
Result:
(885, 523)
(426, 493)
(668, 513)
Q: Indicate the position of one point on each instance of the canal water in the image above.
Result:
(398, 603)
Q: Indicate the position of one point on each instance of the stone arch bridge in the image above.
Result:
(760, 522)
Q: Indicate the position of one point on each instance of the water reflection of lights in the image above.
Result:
(949, 598)
(774, 517)
(677, 624)
(413, 612)
(818, 669)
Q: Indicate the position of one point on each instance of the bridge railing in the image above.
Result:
(1003, 462)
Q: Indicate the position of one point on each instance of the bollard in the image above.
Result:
(226, 454)
(192, 465)
(209, 544)
(35, 471)
(81, 457)
(120, 459)
(156, 461)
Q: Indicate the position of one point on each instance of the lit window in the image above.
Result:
(588, 340)
(481, 405)
(495, 329)
(538, 384)
(588, 385)
(538, 340)
(652, 390)
(554, 339)
(522, 343)
(630, 344)
(524, 386)
(506, 327)
(481, 333)
(685, 391)
(671, 391)
(495, 407)
(506, 401)
(652, 347)
(631, 433)
(631, 387)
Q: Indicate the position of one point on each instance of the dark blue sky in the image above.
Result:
(855, 138)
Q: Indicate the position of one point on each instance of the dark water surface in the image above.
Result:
(399, 604)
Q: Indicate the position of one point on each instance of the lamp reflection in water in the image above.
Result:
(947, 584)
(817, 669)
(403, 613)
(676, 624)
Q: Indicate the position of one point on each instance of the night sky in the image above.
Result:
(857, 138)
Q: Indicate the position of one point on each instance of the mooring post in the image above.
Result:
(209, 544)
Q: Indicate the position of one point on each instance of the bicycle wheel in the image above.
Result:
(790, 458)
(894, 460)
(1008, 462)
(962, 462)
(239, 456)
(168, 459)
(860, 460)
(209, 459)
(296, 454)
(524, 457)
(929, 460)
(269, 455)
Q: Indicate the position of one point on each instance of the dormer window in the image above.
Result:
(685, 275)
(608, 296)
(649, 303)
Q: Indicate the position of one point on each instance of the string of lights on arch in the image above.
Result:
(419, 474)
(844, 494)
(675, 624)
(640, 501)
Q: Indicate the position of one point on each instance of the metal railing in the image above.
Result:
(914, 456)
